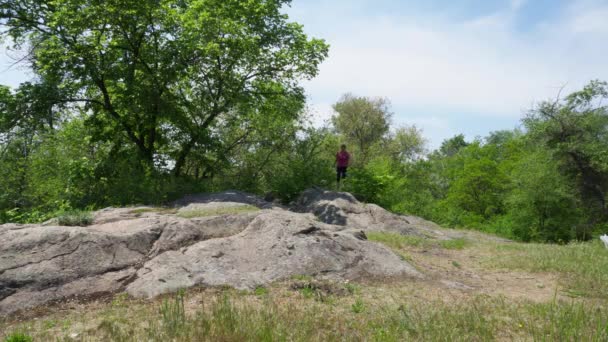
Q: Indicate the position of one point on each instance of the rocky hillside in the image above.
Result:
(230, 238)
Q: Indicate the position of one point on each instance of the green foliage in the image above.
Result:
(542, 205)
(575, 131)
(173, 314)
(459, 243)
(358, 306)
(18, 337)
(362, 121)
(143, 102)
(260, 291)
(75, 218)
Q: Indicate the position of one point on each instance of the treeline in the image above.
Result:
(545, 182)
(142, 102)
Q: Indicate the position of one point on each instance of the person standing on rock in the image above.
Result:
(342, 163)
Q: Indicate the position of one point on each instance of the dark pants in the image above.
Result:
(340, 173)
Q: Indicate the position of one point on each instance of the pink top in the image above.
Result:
(342, 158)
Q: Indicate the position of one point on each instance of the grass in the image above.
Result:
(282, 315)
(75, 218)
(158, 210)
(305, 309)
(18, 337)
(583, 267)
(241, 209)
(398, 241)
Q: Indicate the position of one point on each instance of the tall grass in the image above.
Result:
(583, 267)
(230, 316)
(398, 241)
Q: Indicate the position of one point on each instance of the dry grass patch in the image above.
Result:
(371, 313)
(229, 210)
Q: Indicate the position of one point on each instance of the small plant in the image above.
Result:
(173, 314)
(75, 218)
(308, 292)
(358, 306)
(119, 300)
(302, 277)
(454, 243)
(456, 264)
(260, 291)
(18, 337)
(352, 288)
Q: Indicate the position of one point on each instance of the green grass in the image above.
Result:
(18, 337)
(583, 267)
(260, 291)
(75, 218)
(459, 243)
(158, 210)
(398, 241)
(227, 316)
(245, 208)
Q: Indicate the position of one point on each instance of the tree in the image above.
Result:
(162, 74)
(542, 205)
(450, 147)
(576, 131)
(362, 120)
(406, 144)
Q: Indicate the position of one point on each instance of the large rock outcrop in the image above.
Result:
(149, 251)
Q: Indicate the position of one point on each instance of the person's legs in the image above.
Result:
(340, 173)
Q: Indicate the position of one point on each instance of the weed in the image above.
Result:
(352, 288)
(18, 337)
(260, 291)
(459, 243)
(173, 314)
(302, 277)
(308, 292)
(120, 300)
(358, 306)
(75, 218)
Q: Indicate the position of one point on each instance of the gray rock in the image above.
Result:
(147, 253)
(342, 208)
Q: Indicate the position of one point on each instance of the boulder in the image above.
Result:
(149, 251)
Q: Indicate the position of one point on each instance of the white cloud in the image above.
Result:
(485, 67)
(594, 21)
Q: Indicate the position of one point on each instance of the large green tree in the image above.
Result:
(162, 74)
(576, 131)
(363, 121)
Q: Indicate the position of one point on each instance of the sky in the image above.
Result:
(453, 67)
(448, 67)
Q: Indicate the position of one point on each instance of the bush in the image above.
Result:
(18, 337)
(75, 218)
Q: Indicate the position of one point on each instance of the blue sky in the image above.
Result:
(454, 67)
(448, 67)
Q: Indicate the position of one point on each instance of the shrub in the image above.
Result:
(75, 218)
